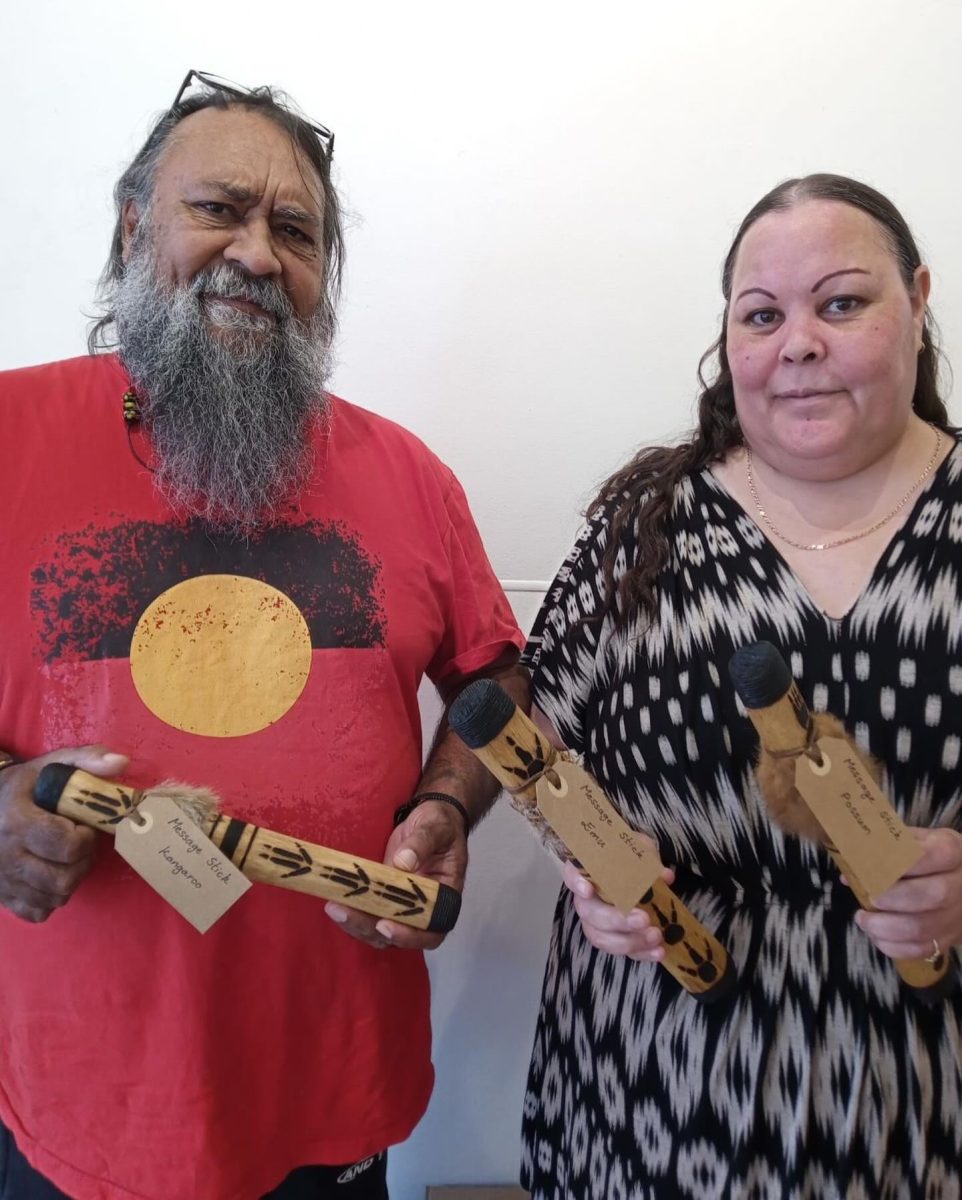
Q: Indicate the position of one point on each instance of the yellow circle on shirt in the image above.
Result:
(220, 655)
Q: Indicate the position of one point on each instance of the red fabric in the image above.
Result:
(139, 1058)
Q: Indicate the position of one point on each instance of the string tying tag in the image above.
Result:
(810, 747)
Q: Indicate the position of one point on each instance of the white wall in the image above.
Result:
(543, 194)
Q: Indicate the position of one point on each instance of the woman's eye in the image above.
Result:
(761, 318)
(842, 304)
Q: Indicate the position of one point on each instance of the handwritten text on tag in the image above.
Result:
(858, 819)
(171, 853)
(618, 861)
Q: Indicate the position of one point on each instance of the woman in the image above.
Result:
(817, 506)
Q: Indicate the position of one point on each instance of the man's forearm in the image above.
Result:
(452, 768)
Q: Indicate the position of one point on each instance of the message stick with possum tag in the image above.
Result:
(517, 754)
(261, 854)
(787, 729)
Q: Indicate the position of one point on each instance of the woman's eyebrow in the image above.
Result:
(844, 271)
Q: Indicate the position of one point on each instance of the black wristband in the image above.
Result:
(402, 813)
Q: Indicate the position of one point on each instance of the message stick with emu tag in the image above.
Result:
(517, 754)
(261, 854)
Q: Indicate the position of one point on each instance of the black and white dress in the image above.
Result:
(819, 1077)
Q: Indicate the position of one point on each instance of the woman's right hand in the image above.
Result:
(609, 929)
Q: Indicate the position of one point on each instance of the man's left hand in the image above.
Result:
(431, 842)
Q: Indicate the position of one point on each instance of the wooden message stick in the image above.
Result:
(786, 729)
(261, 854)
(517, 754)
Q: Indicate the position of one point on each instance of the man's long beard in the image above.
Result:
(226, 396)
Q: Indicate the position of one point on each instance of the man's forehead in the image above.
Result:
(244, 152)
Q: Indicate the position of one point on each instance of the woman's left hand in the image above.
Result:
(925, 906)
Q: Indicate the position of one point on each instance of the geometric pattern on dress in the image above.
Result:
(819, 1076)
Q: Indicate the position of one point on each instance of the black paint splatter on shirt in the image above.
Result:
(89, 594)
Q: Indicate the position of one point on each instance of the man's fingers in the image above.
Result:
(21, 908)
(96, 759)
(381, 933)
(51, 881)
(44, 857)
(29, 897)
(357, 924)
(58, 840)
(406, 937)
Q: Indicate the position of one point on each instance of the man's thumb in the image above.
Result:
(97, 759)
(406, 858)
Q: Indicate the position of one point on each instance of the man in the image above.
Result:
(272, 1055)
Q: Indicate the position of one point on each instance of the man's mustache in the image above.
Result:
(225, 282)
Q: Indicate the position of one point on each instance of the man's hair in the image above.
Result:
(138, 180)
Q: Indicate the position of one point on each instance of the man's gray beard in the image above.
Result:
(227, 408)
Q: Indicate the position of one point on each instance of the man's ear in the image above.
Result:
(129, 220)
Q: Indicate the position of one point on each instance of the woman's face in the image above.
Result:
(822, 339)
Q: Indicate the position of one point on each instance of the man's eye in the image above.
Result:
(297, 235)
(216, 208)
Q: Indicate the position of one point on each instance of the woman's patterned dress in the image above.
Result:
(819, 1076)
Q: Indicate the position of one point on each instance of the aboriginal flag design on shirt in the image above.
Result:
(204, 619)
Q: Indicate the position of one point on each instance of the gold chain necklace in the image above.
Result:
(852, 537)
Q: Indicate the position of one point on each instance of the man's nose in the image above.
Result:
(252, 247)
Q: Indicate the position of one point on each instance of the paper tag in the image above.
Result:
(859, 820)
(617, 860)
(171, 853)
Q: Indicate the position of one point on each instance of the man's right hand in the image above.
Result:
(43, 857)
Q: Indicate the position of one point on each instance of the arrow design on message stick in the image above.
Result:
(113, 808)
(296, 863)
(357, 882)
(411, 902)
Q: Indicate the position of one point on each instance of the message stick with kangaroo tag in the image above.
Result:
(522, 760)
(797, 749)
(261, 854)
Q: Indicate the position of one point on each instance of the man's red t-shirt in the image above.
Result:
(139, 1058)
